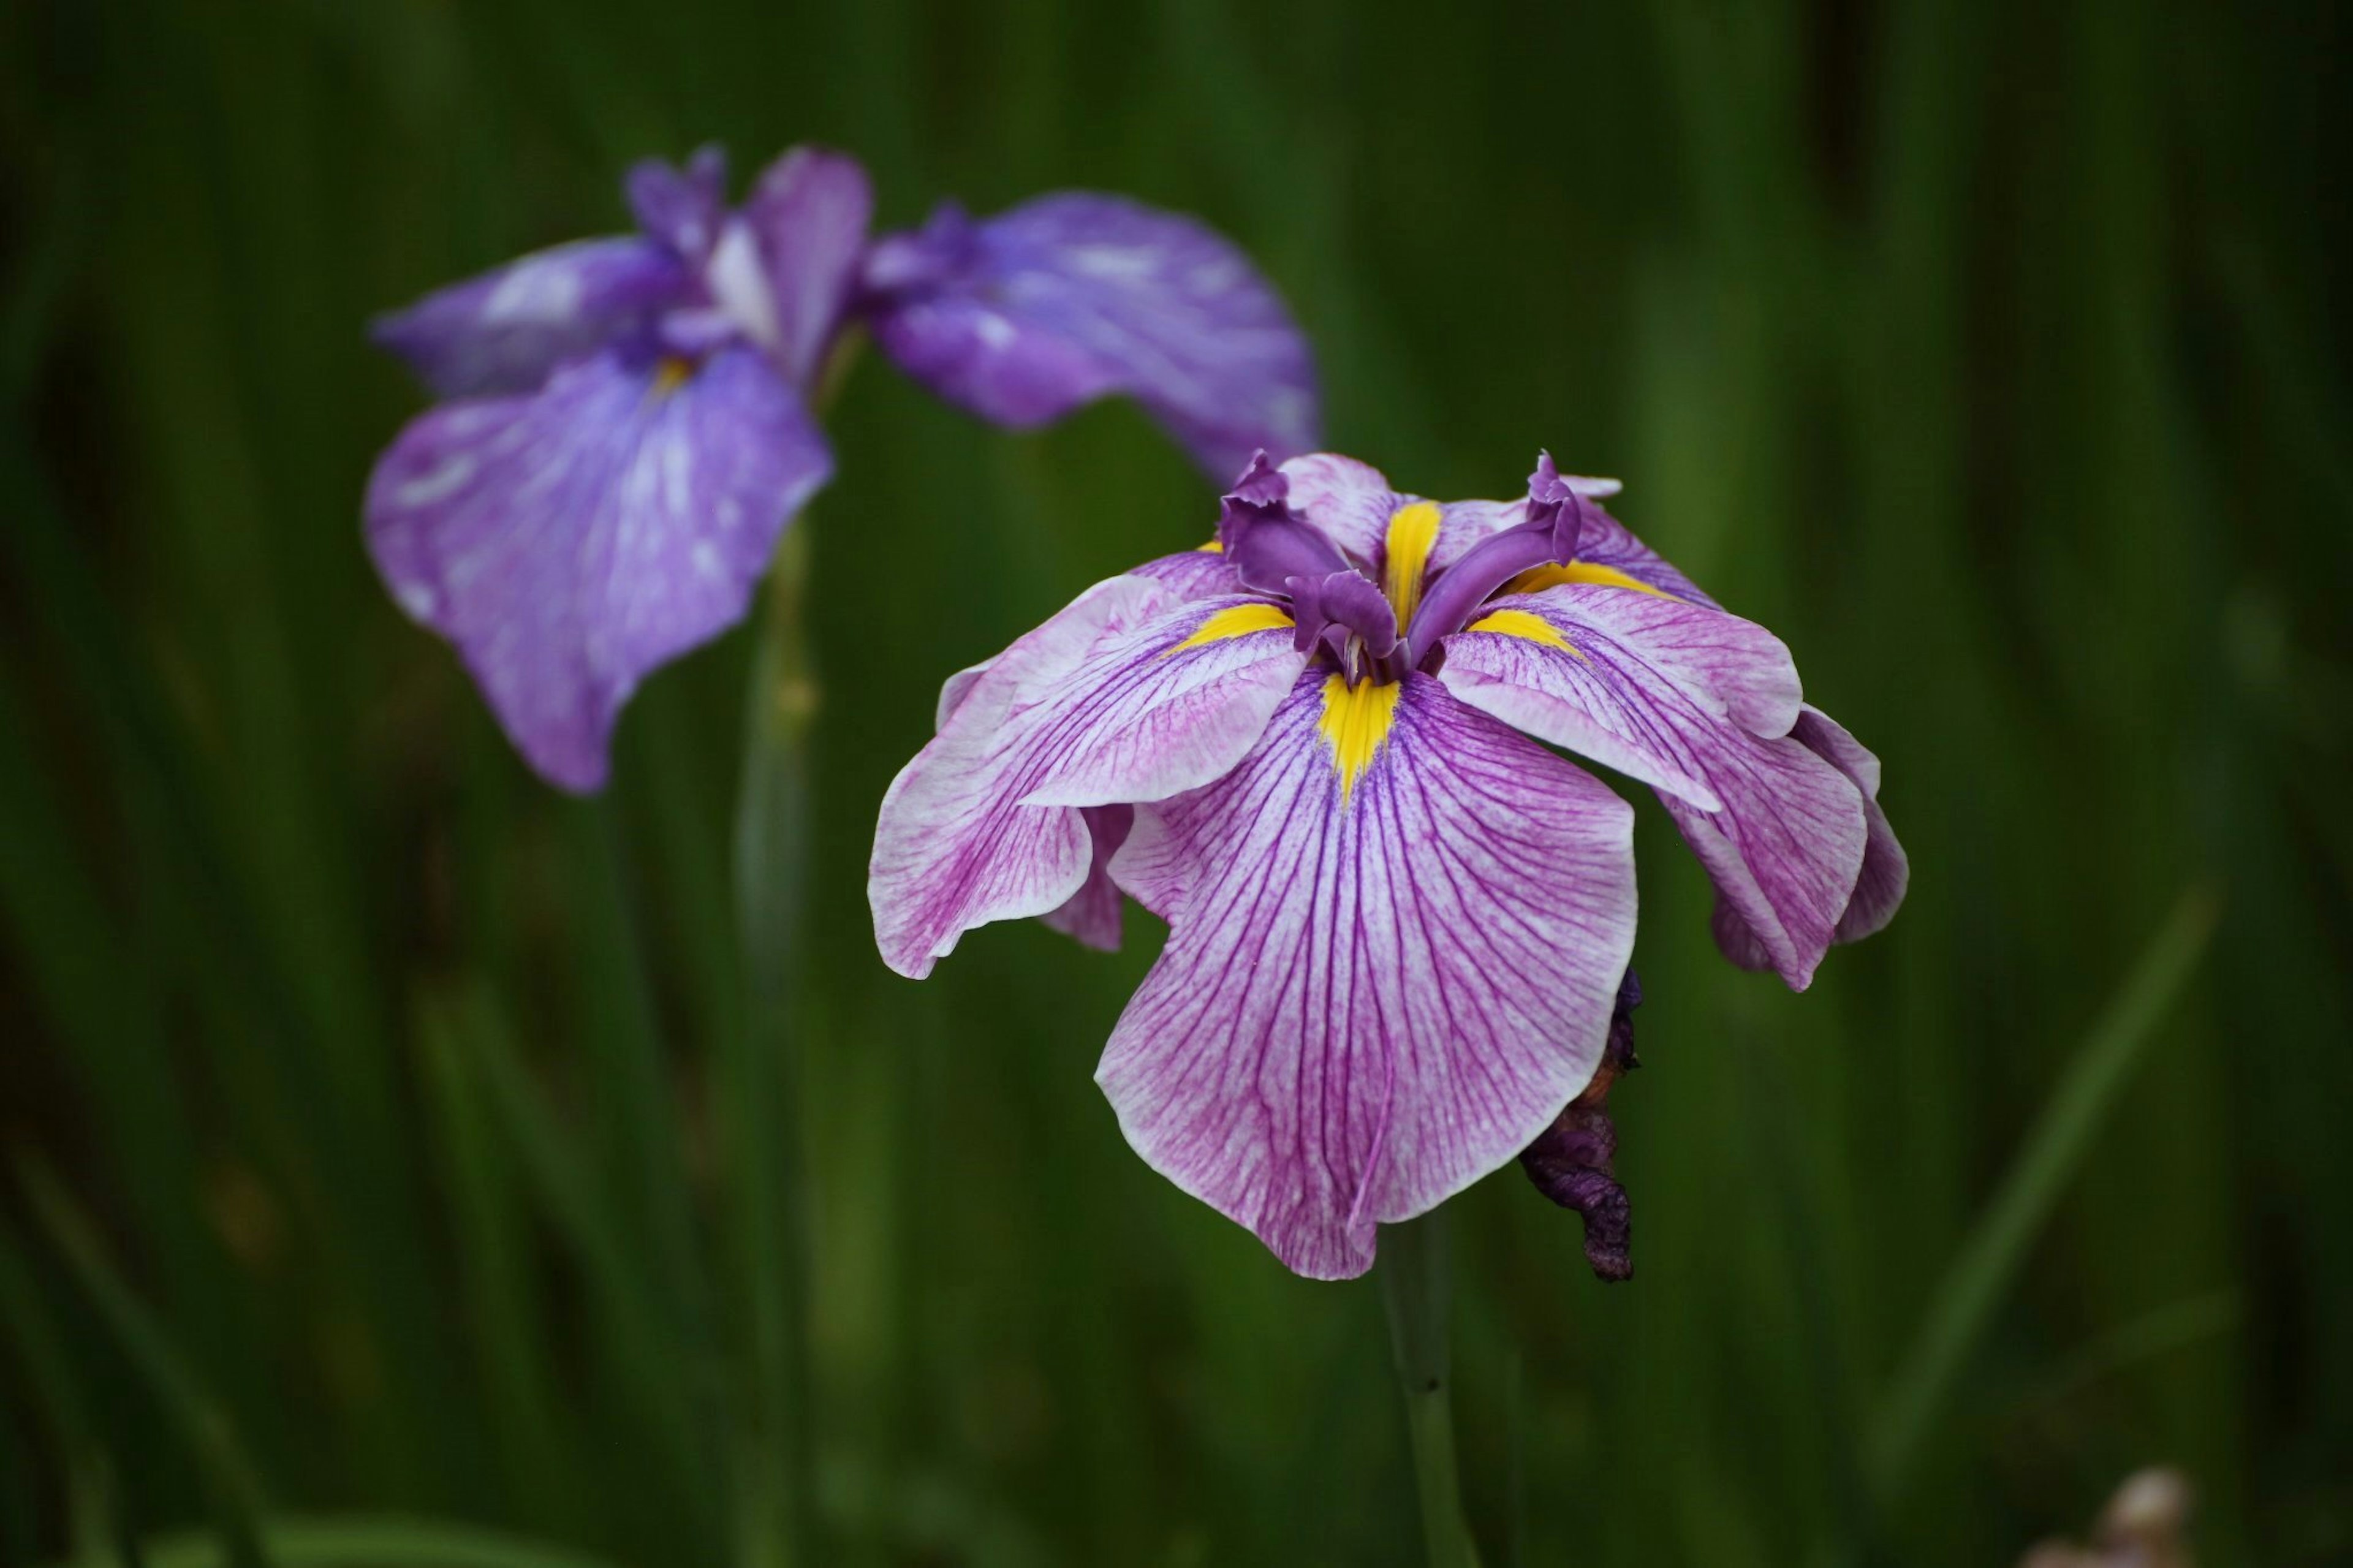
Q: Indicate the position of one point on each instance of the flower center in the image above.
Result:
(674, 372)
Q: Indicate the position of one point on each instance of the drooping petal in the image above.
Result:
(1395, 932)
(1092, 914)
(1131, 694)
(1698, 704)
(1887, 870)
(570, 541)
(1023, 317)
(809, 213)
(507, 330)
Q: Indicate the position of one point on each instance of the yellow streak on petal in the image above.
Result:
(1540, 577)
(1235, 621)
(1520, 624)
(1356, 721)
(1215, 547)
(1413, 531)
(670, 374)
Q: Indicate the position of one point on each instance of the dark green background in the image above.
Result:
(361, 1091)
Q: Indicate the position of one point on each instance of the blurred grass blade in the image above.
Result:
(71, 952)
(40, 1351)
(204, 1425)
(637, 1096)
(1965, 1301)
(1515, 1462)
(93, 1503)
(242, 960)
(364, 1541)
(1819, 1327)
(648, 1361)
(2154, 1333)
(494, 1263)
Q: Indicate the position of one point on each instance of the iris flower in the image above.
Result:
(629, 427)
(1399, 926)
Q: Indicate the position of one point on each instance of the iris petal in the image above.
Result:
(1370, 999)
(1091, 915)
(680, 208)
(1349, 502)
(508, 329)
(1698, 704)
(570, 541)
(1103, 705)
(1023, 317)
(1886, 872)
(809, 213)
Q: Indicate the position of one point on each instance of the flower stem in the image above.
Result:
(775, 1512)
(1417, 1286)
(762, 1071)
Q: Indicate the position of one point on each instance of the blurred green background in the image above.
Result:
(376, 1120)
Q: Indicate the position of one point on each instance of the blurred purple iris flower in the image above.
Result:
(629, 427)
(1398, 925)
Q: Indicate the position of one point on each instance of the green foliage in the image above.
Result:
(420, 1185)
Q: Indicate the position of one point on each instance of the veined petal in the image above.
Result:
(809, 213)
(1465, 523)
(1023, 317)
(957, 686)
(1887, 870)
(570, 541)
(1131, 694)
(507, 330)
(1194, 574)
(1372, 995)
(1091, 916)
(1645, 684)
(1607, 542)
(1696, 703)
(1349, 502)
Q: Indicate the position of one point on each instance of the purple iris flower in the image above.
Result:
(630, 430)
(1398, 925)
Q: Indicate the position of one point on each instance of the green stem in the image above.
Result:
(761, 1060)
(1417, 1285)
(763, 1067)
